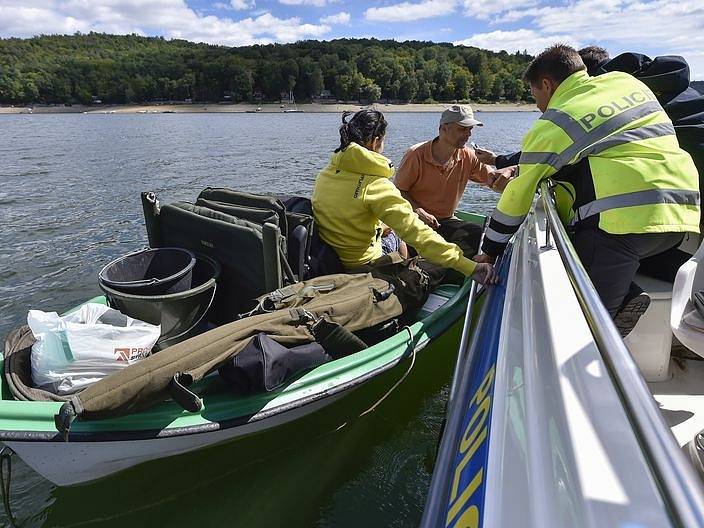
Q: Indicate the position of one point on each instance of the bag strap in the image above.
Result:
(181, 395)
(336, 339)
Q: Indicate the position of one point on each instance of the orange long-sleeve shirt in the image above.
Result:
(438, 188)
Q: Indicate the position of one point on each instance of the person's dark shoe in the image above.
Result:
(627, 318)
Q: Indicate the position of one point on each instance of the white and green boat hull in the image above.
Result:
(101, 448)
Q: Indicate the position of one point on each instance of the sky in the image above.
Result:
(653, 27)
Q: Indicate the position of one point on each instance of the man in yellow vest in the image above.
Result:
(637, 195)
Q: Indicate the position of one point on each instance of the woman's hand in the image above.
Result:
(485, 274)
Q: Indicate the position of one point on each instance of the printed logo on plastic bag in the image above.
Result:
(131, 354)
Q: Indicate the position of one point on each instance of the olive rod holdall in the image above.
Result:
(287, 315)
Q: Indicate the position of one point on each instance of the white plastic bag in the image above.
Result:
(78, 349)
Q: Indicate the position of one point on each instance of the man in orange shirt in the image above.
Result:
(433, 176)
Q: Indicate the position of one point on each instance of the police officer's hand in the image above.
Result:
(487, 157)
(485, 274)
(427, 218)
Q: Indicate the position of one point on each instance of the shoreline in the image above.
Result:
(268, 108)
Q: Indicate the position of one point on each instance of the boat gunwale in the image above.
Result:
(207, 427)
(429, 328)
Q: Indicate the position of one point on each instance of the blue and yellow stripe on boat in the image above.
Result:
(464, 494)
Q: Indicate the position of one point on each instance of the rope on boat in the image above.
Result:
(6, 462)
(412, 350)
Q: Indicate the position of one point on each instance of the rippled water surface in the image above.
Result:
(69, 203)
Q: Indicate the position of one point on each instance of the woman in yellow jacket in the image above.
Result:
(354, 197)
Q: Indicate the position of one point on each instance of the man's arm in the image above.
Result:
(503, 177)
(516, 200)
(500, 161)
(424, 215)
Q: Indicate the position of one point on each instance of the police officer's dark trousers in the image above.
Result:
(613, 260)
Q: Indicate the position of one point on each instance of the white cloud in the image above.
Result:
(663, 26)
(654, 27)
(27, 21)
(262, 29)
(316, 3)
(407, 11)
(340, 18)
(519, 40)
(242, 4)
(170, 18)
(482, 9)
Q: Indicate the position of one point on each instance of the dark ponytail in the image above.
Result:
(361, 128)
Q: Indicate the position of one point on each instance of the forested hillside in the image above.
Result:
(126, 69)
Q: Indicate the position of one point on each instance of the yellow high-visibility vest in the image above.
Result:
(621, 167)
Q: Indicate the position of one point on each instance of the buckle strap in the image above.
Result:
(301, 316)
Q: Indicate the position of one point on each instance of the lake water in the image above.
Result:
(69, 204)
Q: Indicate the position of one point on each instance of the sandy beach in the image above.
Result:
(253, 108)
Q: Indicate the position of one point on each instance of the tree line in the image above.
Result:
(115, 69)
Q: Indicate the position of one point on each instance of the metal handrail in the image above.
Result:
(436, 502)
(464, 340)
(679, 484)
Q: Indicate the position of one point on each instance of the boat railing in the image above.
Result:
(679, 485)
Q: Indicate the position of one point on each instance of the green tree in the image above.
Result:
(121, 68)
(463, 82)
(368, 89)
(317, 83)
(408, 88)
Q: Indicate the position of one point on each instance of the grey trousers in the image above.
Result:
(613, 260)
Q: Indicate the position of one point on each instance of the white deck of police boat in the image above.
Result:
(681, 399)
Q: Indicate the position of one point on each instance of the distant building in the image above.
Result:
(325, 96)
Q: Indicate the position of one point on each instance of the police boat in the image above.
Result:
(554, 420)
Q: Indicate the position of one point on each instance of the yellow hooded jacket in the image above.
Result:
(354, 194)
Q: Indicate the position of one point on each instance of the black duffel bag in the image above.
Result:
(264, 365)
